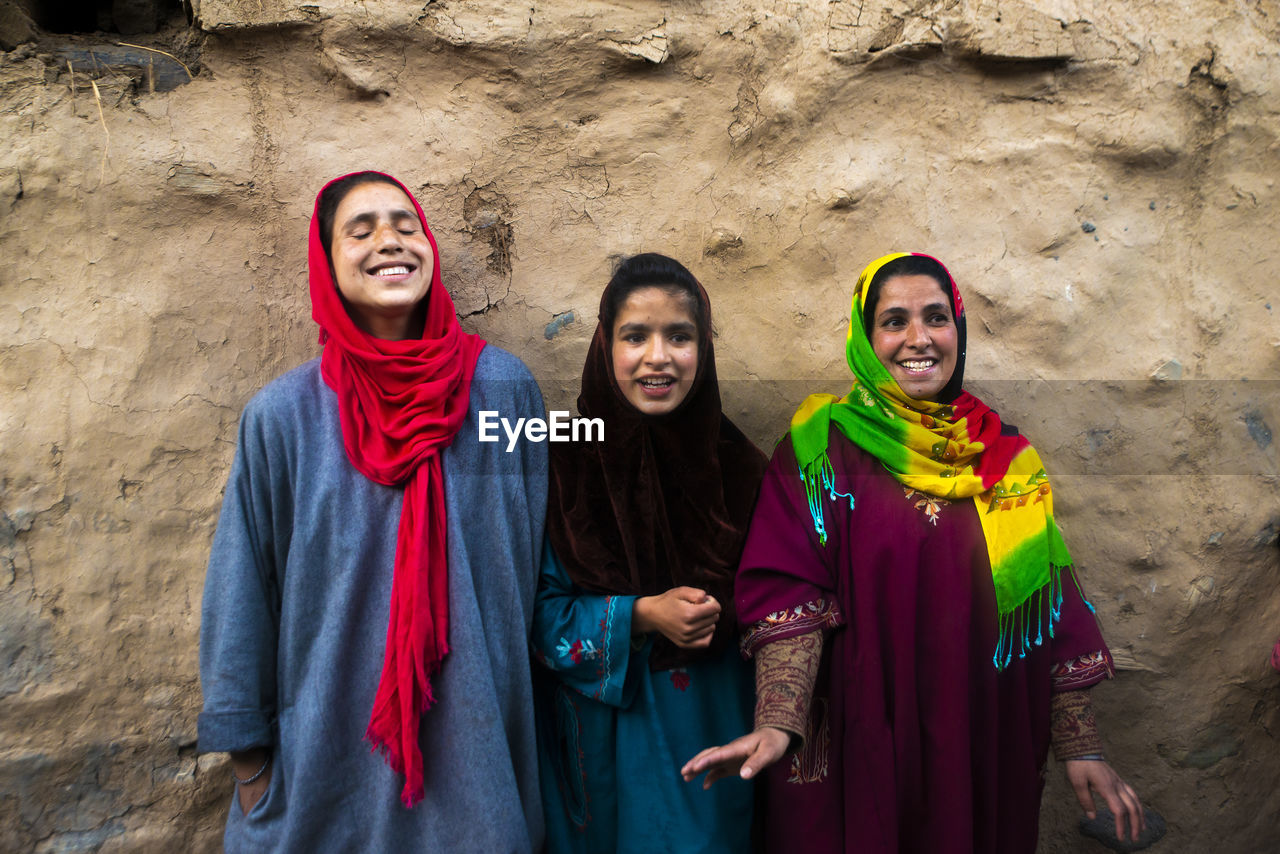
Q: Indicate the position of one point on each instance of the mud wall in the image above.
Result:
(1099, 174)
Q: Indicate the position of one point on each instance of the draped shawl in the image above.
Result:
(957, 448)
(400, 403)
(664, 501)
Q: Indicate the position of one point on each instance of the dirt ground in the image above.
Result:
(1098, 174)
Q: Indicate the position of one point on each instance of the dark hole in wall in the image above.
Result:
(128, 17)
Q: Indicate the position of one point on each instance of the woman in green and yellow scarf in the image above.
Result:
(911, 607)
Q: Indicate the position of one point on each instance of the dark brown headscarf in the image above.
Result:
(664, 501)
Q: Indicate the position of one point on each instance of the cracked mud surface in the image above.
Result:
(1099, 176)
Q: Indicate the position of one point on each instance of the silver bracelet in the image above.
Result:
(1092, 757)
(259, 773)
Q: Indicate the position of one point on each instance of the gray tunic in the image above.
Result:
(294, 626)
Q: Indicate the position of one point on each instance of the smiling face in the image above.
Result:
(655, 349)
(382, 260)
(914, 335)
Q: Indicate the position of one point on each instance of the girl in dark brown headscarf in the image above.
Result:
(635, 607)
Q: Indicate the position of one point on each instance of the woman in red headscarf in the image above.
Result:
(371, 582)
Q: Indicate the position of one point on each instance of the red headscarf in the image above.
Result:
(400, 403)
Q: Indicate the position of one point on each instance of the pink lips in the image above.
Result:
(657, 392)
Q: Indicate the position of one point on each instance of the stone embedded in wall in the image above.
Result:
(126, 69)
(1007, 30)
(559, 322)
(989, 30)
(721, 241)
(1169, 370)
(197, 179)
(1258, 429)
(222, 15)
(651, 46)
(858, 31)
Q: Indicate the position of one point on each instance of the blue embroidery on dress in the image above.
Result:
(608, 633)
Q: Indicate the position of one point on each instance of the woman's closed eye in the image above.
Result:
(407, 224)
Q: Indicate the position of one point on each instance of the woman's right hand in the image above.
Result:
(686, 616)
(747, 755)
(244, 764)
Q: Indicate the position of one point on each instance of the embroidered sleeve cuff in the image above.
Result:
(1084, 671)
(1072, 727)
(610, 654)
(589, 647)
(624, 661)
(785, 674)
(807, 617)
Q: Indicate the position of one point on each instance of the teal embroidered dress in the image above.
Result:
(613, 734)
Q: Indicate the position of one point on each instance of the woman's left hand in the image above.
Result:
(747, 755)
(1121, 799)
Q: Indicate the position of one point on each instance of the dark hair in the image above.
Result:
(907, 265)
(332, 196)
(651, 270)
